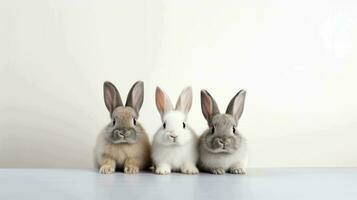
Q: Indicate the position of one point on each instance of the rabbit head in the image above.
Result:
(174, 129)
(222, 135)
(124, 127)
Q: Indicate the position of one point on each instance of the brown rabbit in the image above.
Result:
(123, 144)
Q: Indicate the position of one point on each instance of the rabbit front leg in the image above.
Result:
(107, 165)
(163, 169)
(207, 168)
(217, 171)
(131, 166)
(189, 168)
(238, 168)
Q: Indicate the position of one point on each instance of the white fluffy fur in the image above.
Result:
(181, 155)
(175, 147)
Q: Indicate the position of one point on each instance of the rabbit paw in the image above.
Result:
(107, 169)
(237, 171)
(163, 170)
(218, 171)
(131, 170)
(189, 170)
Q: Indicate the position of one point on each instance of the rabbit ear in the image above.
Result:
(236, 105)
(111, 96)
(208, 105)
(163, 102)
(184, 102)
(136, 96)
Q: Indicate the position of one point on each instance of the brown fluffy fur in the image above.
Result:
(123, 144)
(128, 157)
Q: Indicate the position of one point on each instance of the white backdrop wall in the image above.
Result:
(296, 59)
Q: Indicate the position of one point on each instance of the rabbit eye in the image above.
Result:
(184, 125)
(212, 131)
(234, 129)
(164, 125)
(114, 122)
(134, 121)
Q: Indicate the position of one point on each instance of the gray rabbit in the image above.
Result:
(222, 148)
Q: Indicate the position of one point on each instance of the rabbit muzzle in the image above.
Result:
(172, 138)
(222, 144)
(123, 136)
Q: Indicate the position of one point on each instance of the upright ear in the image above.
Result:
(208, 105)
(163, 102)
(236, 105)
(184, 102)
(111, 96)
(136, 96)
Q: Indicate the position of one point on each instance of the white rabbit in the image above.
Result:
(174, 145)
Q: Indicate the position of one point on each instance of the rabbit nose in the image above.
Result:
(173, 136)
(118, 133)
(220, 141)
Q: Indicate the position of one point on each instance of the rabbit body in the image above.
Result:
(125, 157)
(217, 163)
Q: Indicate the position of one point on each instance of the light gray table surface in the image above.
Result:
(266, 184)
